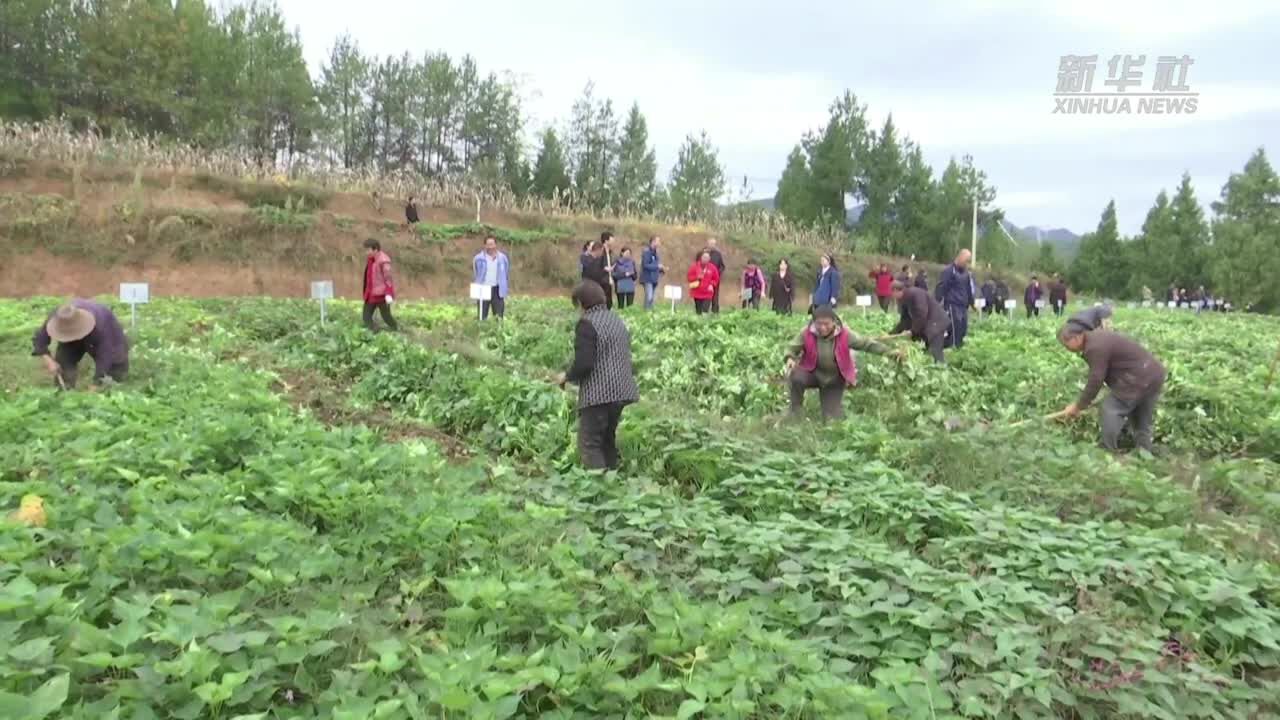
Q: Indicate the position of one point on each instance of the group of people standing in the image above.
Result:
(1200, 299)
(995, 293)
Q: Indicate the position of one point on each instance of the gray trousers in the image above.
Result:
(831, 396)
(1139, 414)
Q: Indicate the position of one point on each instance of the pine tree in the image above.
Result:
(1102, 263)
(1190, 236)
(344, 82)
(550, 175)
(697, 179)
(1245, 233)
(879, 188)
(837, 157)
(637, 172)
(793, 199)
(916, 205)
(1152, 253)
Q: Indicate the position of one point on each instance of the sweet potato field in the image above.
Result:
(275, 519)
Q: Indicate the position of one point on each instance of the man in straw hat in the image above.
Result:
(82, 327)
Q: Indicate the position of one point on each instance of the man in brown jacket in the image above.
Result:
(1135, 376)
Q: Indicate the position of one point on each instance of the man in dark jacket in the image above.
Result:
(988, 297)
(1002, 295)
(82, 327)
(718, 260)
(651, 271)
(956, 293)
(1135, 376)
(922, 317)
(822, 357)
(596, 268)
(1058, 295)
(411, 211)
(602, 371)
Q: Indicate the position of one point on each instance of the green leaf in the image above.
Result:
(689, 708)
(48, 698)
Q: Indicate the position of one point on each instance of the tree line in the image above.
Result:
(1235, 253)
(237, 79)
(906, 210)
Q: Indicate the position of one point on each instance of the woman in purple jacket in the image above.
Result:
(1031, 296)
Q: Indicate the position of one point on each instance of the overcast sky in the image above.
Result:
(964, 77)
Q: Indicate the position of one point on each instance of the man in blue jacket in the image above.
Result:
(956, 293)
(651, 270)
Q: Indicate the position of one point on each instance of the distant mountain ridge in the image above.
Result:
(1066, 244)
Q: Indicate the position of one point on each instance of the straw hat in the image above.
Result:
(70, 323)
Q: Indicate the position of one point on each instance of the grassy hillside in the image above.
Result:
(84, 229)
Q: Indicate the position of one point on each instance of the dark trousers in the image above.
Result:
(959, 324)
(626, 299)
(384, 309)
(702, 307)
(496, 302)
(68, 356)
(831, 396)
(935, 345)
(884, 303)
(753, 303)
(715, 299)
(1139, 415)
(1058, 307)
(598, 436)
(1032, 310)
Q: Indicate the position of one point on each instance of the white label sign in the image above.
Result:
(1010, 304)
(1173, 304)
(672, 292)
(863, 301)
(1133, 305)
(480, 291)
(1146, 303)
(980, 303)
(135, 293)
(321, 289)
(1040, 304)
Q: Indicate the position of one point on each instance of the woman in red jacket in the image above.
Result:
(704, 278)
(884, 285)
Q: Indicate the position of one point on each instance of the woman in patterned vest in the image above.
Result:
(602, 371)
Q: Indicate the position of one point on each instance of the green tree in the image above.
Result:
(636, 178)
(550, 175)
(1047, 261)
(880, 187)
(1152, 254)
(1245, 232)
(793, 199)
(1190, 236)
(342, 91)
(916, 206)
(837, 158)
(697, 179)
(1101, 264)
(40, 57)
(593, 148)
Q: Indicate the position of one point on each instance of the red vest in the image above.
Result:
(844, 357)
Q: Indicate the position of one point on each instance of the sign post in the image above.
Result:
(1010, 305)
(981, 304)
(672, 293)
(1040, 305)
(864, 302)
(134, 294)
(322, 290)
(1146, 303)
(480, 293)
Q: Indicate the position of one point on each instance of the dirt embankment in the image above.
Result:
(83, 232)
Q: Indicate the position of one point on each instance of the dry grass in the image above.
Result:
(129, 158)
